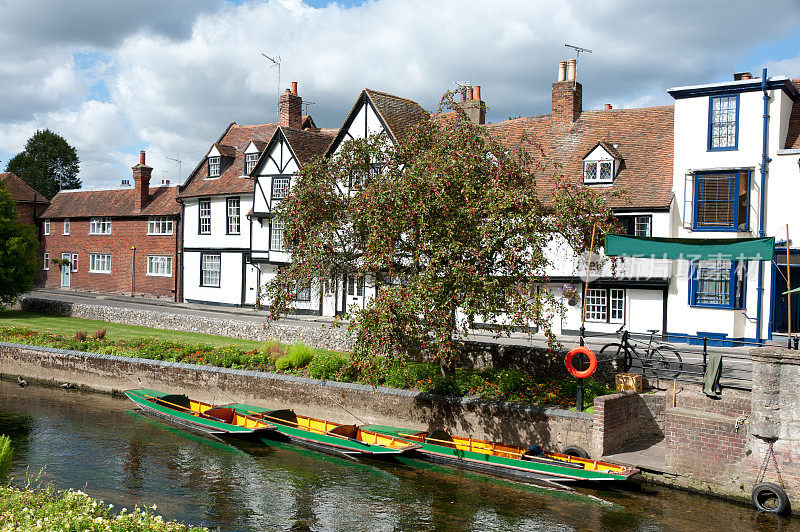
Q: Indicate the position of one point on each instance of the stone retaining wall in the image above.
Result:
(626, 417)
(524, 425)
(334, 338)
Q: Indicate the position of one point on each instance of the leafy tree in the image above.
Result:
(448, 221)
(48, 163)
(18, 246)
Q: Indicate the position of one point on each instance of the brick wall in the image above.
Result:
(125, 232)
(623, 418)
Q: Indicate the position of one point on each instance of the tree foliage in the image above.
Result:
(48, 163)
(18, 248)
(449, 222)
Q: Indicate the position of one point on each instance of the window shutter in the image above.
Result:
(688, 200)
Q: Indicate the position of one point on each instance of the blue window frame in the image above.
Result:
(723, 122)
(721, 201)
(717, 284)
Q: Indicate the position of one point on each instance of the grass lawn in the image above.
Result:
(114, 331)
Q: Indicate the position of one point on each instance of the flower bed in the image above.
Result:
(498, 384)
(50, 510)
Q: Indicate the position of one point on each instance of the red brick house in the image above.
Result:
(30, 204)
(117, 241)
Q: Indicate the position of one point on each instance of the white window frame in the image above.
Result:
(233, 217)
(276, 228)
(46, 227)
(74, 262)
(46, 261)
(100, 263)
(159, 265)
(281, 185)
(159, 225)
(204, 220)
(643, 225)
(250, 161)
(605, 305)
(207, 275)
(100, 226)
(595, 169)
(66, 226)
(215, 166)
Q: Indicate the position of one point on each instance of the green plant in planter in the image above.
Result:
(60, 262)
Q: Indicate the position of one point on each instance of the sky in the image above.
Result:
(117, 77)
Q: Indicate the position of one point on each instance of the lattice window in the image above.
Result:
(159, 265)
(596, 304)
(214, 166)
(617, 305)
(276, 238)
(280, 187)
(205, 216)
(250, 160)
(723, 122)
(234, 218)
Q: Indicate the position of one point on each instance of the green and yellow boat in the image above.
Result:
(197, 416)
(505, 460)
(328, 436)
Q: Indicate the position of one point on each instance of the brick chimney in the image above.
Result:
(141, 179)
(567, 94)
(291, 108)
(472, 105)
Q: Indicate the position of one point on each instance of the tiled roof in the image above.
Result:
(399, 114)
(115, 203)
(307, 144)
(642, 138)
(793, 132)
(225, 150)
(20, 190)
(230, 182)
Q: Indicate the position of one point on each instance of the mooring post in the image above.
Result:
(705, 355)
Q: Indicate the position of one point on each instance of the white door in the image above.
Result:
(65, 269)
(355, 291)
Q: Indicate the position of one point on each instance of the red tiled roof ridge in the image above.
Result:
(373, 91)
(20, 190)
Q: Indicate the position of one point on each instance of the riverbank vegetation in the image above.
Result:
(298, 359)
(50, 510)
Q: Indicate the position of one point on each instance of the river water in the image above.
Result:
(103, 446)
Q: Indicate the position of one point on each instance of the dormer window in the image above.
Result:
(598, 172)
(214, 166)
(601, 164)
(250, 160)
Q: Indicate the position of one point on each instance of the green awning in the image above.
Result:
(690, 248)
(792, 291)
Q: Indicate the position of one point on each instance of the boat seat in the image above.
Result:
(348, 431)
(441, 437)
(284, 417)
(174, 400)
(220, 414)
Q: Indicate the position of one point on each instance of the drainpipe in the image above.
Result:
(133, 266)
(761, 230)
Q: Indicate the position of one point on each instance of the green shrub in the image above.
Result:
(300, 355)
(283, 363)
(272, 350)
(6, 452)
(326, 366)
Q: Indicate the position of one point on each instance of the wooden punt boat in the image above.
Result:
(328, 436)
(506, 460)
(196, 416)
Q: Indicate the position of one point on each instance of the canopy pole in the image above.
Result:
(586, 285)
(788, 287)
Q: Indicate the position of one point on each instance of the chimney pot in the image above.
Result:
(477, 93)
(294, 88)
(470, 94)
(572, 66)
(141, 180)
(608, 106)
(562, 71)
(141, 157)
(463, 94)
(291, 106)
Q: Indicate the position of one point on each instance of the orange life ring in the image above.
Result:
(592, 362)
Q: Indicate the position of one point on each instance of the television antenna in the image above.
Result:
(306, 104)
(578, 51)
(276, 63)
(177, 159)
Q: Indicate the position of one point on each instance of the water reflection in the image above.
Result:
(100, 444)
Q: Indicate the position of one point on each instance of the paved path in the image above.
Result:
(647, 455)
(736, 366)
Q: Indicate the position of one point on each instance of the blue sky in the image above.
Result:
(114, 78)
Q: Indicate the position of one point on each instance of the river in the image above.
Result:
(103, 446)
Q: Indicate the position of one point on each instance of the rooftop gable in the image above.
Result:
(21, 191)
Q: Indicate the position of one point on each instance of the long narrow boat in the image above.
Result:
(506, 460)
(197, 416)
(328, 436)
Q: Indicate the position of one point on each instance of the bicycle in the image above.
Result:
(662, 359)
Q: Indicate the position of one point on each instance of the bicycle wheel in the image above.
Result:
(618, 355)
(666, 363)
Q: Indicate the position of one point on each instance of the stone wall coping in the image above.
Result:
(499, 405)
(776, 355)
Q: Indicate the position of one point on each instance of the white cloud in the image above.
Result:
(175, 84)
